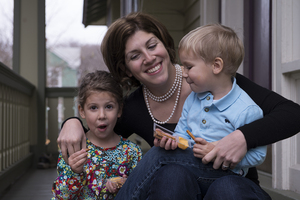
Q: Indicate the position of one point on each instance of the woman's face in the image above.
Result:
(147, 59)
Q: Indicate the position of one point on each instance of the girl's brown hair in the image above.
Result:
(99, 81)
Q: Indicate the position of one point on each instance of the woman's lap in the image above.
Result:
(180, 172)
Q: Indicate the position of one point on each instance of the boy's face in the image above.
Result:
(198, 74)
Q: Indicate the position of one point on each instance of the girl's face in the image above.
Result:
(147, 59)
(101, 111)
(198, 74)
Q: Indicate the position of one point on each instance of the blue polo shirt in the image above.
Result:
(214, 119)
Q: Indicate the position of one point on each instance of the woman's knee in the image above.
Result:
(173, 181)
(235, 187)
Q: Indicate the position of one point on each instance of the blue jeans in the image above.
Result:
(178, 175)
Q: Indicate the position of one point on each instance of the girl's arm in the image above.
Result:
(68, 184)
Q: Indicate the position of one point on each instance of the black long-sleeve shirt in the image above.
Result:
(281, 118)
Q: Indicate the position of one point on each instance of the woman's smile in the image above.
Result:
(154, 69)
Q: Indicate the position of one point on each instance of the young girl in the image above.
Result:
(107, 155)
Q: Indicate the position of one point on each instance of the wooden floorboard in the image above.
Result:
(36, 184)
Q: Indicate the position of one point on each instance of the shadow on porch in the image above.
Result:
(35, 184)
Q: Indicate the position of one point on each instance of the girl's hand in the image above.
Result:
(71, 138)
(77, 161)
(113, 187)
(229, 151)
(202, 147)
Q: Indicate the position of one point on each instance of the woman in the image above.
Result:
(137, 49)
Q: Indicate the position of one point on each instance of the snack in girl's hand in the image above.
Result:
(119, 181)
(160, 132)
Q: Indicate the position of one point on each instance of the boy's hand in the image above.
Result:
(164, 141)
(77, 160)
(202, 147)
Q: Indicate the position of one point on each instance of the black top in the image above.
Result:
(281, 118)
(136, 118)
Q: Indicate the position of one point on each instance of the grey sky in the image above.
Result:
(63, 22)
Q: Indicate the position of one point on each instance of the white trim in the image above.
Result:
(286, 77)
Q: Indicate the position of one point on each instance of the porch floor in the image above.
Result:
(36, 184)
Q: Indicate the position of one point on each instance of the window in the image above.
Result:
(72, 50)
(6, 32)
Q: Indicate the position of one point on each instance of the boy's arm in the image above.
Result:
(257, 155)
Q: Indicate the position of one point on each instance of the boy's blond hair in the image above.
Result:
(215, 40)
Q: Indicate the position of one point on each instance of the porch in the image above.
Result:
(35, 184)
(19, 176)
(23, 104)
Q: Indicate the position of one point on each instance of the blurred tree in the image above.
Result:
(6, 52)
(6, 32)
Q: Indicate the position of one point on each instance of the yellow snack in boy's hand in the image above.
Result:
(183, 143)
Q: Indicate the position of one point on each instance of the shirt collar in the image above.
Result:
(227, 100)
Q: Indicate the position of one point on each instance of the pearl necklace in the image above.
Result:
(174, 87)
(178, 85)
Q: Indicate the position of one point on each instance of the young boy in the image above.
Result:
(217, 106)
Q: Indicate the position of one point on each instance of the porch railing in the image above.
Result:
(17, 132)
(18, 123)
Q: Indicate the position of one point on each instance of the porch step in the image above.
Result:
(266, 183)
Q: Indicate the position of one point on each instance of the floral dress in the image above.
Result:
(102, 164)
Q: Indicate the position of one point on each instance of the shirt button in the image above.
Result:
(206, 109)
(208, 98)
(204, 121)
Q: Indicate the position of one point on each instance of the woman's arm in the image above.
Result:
(281, 116)
(72, 137)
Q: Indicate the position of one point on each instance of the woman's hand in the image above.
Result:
(77, 160)
(202, 147)
(229, 151)
(71, 138)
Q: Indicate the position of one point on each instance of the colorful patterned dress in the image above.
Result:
(102, 164)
